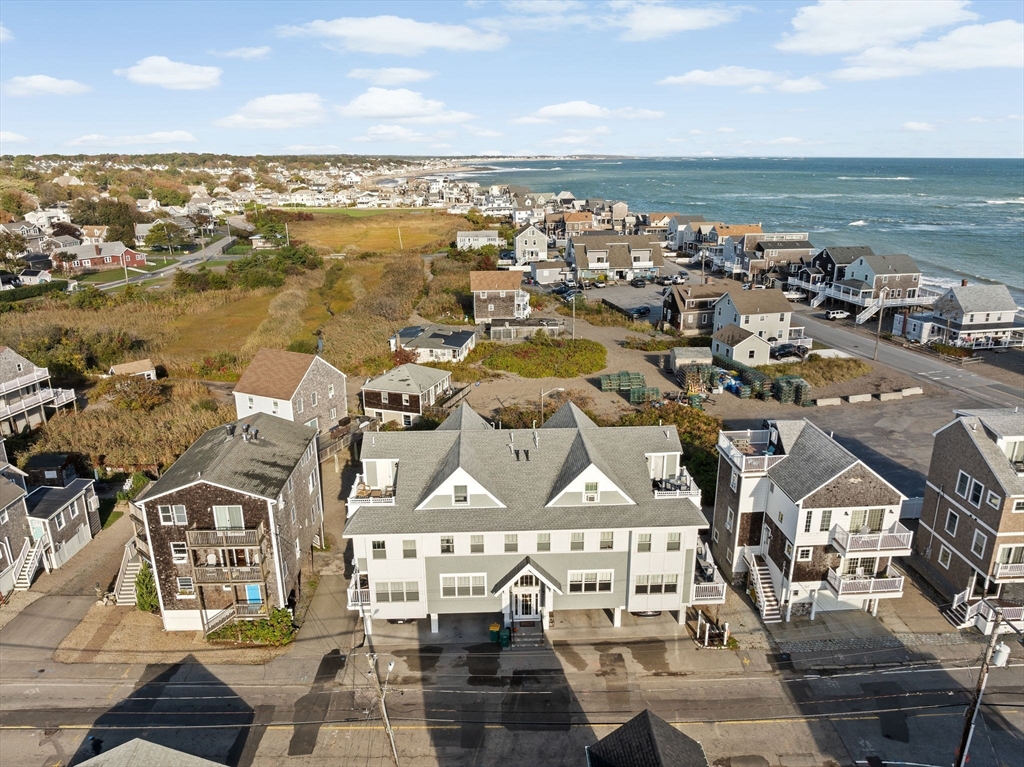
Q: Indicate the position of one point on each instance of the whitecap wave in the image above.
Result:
(1017, 201)
(861, 222)
(876, 178)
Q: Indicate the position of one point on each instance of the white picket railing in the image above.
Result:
(896, 538)
(855, 585)
(1008, 570)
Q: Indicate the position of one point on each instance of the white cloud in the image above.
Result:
(391, 75)
(972, 47)
(312, 148)
(696, 132)
(845, 26)
(158, 137)
(43, 85)
(578, 137)
(651, 21)
(396, 35)
(244, 53)
(800, 85)
(476, 130)
(5, 35)
(976, 120)
(918, 126)
(280, 110)
(736, 77)
(725, 130)
(585, 110)
(397, 133)
(8, 137)
(1015, 117)
(783, 140)
(400, 104)
(173, 75)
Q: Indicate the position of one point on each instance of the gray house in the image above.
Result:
(438, 343)
(976, 316)
(516, 524)
(531, 244)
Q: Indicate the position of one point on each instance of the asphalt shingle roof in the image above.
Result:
(984, 298)
(760, 301)
(407, 379)
(647, 740)
(1005, 423)
(847, 254)
(895, 264)
(619, 248)
(9, 492)
(500, 280)
(812, 459)
(274, 373)
(44, 502)
(434, 337)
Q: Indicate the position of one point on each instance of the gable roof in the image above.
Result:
(130, 368)
(434, 337)
(94, 250)
(257, 467)
(769, 301)
(812, 459)
(895, 264)
(618, 246)
(497, 280)
(138, 751)
(783, 245)
(274, 373)
(9, 492)
(737, 230)
(569, 416)
(982, 298)
(582, 455)
(407, 379)
(464, 418)
(684, 293)
(44, 502)
(1001, 422)
(686, 219)
(514, 573)
(847, 254)
(731, 335)
(647, 740)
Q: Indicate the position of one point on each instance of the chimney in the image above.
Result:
(517, 454)
(526, 453)
(230, 429)
(255, 434)
(963, 283)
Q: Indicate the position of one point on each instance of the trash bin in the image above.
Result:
(506, 637)
(495, 628)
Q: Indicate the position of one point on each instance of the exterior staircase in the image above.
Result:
(818, 300)
(528, 637)
(767, 602)
(869, 311)
(30, 564)
(131, 563)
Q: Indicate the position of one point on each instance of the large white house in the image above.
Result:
(475, 240)
(517, 524)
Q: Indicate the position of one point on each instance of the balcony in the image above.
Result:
(865, 297)
(51, 397)
(795, 283)
(208, 574)
(229, 538)
(708, 585)
(679, 486)
(364, 495)
(894, 542)
(888, 585)
(1008, 573)
(37, 375)
(358, 597)
(748, 450)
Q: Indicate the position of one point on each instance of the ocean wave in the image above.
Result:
(876, 178)
(1017, 201)
(861, 222)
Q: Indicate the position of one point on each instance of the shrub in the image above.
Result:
(145, 590)
(31, 291)
(130, 392)
(276, 630)
(664, 344)
(139, 481)
(818, 370)
(544, 357)
(952, 351)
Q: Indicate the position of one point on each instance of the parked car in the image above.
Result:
(782, 351)
(600, 284)
(572, 295)
(638, 282)
(561, 290)
(640, 311)
(679, 279)
(664, 280)
(836, 314)
(586, 284)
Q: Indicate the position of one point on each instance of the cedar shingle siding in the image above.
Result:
(373, 400)
(504, 307)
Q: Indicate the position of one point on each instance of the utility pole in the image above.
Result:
(381, 692)
(400, 245)
(287, 237)
(971, 715)
(881, 311)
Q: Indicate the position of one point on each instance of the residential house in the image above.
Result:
(14, 532)
(691, 309)
(873, 281)
(614, 256)
(9, 281)
(62, 520)
(26, 397)
(60, 242)
(403, 394)
(50, 470)
(67, 181)
(774, 256)
(970, 540)
(26, 229)
(554, 224)
(93, 234)
(477, 240)
(438, 343)
(141, 368)
(230, 527)
(531, 244)
(578, 223)
(499, 296)
(740, 344)
(833, 261)
(138, 751)
(765, 313)
(809, 525)
(516, 524)
(646, 740)
(975, 316)
(656, 224)
(682, 229)
(565, 199)
(547, 272)
(303, 388)
(106, 255)
(35, 276)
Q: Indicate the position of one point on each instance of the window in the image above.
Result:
(607, 541)
(944, 556)
(476, 544)
(1011, 555)
(379, 549)
(334, 414)
(729, 516)
(977, 491)
(186, 588)
(803, 554)
(826, 521)
(789, 549)
(228, 517)
(714, 535)
(576, 542)
(781, 516)
(674, 542)
(172, 515)
(274, 406)
(807, 521)
(590, 581)
(299, 402)
(771, 486)
(642, 582)
(463, 585)
(179, 553)
(447, 544)
(397, 591)
(993, 500)
(59, 520)
(590, 492)
(384, 397)
(952, 521)
(979, 543)
(408, 549)
(460, 494)
(252, 403)
(405, 399)
(511, 543)
(293, 513)
(4, 517)
(751, 354)
(1018, 506)
(543, 541)
(490, 307)
(782, 318)
(733, 477)
(330, 391)
(298, 549)
(671, 583)
(643, 542)
(963, 482)
(312, 399)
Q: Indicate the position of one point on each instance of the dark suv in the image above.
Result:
(638, 282)
(640, 311)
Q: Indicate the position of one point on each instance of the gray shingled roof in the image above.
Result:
(523, 486)
(44, 502)
(895, 264)
(141, 752)
(258, 467)
(9, 492)
(769, 301)
(464, 418)
(515, 571)
(813, 459)
(848, 254)
(618, 246)
(1002, 422)
(407, 379)
(984, 298)
(647, 740)
(569, 416)
(434, 337)
(731, 335)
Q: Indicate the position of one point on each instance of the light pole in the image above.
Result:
(881, 311)
(543, 394)
(971, 714)
(381, 692)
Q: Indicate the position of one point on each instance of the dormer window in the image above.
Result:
(590, 492)
(460, 495)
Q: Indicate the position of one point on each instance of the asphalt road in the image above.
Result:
(178, 262)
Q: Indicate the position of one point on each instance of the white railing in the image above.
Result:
(895, 538)
(363, 495)
(38, 374)
(358, 597)
(55, 397)
(1008, 571)
(856, 585)
(708, 593)
(796, 282)
(819, 299)
(755, 574)
(679, 486)
(218, 619)
(225, 538)
(251, 611)
(215, 574)
(959, 599)
(130, 550)
(747, 462)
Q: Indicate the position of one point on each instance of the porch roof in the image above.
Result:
(527, 564)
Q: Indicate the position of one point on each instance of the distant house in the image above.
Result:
(833, 261)
(646, 740)
(682, 228)
(498, 296)
(435, 342)
(303, 388)
(867, 277)
(577, 223)
(93, 235)
(690, 310)
(978, 316)
(765, 313)
(142, 368)
(546, 272)
(403, 393)
(736, 343)
(9, 281)
(25, 228)
(50, 469)
(476, 240)
(26, 397)
(614, 256)
(35, 276)
(107, 255)
(531, 244)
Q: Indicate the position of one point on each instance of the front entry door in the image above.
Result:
(37, 528)
(526, 605)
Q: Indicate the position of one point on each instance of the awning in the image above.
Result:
(527, 566)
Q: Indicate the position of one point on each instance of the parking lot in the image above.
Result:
(625, 296)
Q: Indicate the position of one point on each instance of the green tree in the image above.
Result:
(63, 228)
(120, 217)
(166, 235)
(507, 233)
(13, 202)
(11, 245)
(169, 196)
(145, 590)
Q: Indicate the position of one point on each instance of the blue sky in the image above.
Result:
(942, 78)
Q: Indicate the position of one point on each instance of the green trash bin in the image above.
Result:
(495, 629)
(506, 637)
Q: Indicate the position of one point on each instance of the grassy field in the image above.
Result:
(362, 231)
(224, 328)
(820, 371)
(239, 250)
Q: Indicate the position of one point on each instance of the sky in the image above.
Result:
(867, 78)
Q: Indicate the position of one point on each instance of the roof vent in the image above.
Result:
(230, 429)
(526, 454)
(517, 454)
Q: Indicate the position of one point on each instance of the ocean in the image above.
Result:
(958, 219)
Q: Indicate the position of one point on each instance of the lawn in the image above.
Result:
(225, 328)
(107, 514)
(820, 371)
(239, 249)
(361, 231)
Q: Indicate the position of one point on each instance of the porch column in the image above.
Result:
(681, 615)
(506, 608)
(789, 610)
(433, 623)
(617, 617)
(814, 604)
(874, 609)
(545, 611)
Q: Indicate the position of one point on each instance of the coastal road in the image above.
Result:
(181, 262)
(925, 367)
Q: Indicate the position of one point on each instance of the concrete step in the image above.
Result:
(957, 616)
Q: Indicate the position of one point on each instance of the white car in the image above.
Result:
(836, 314)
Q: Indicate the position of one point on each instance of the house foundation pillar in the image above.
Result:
(617, 617)
(874, 608)
(789, 610)
(681, 616)
(433, 623)
(814, 604)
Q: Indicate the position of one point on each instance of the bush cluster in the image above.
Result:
(664, 344)
(545, 357)
(952, 351)
(32, 291)
(276, 630)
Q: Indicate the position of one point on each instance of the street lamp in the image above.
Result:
(543, 394)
